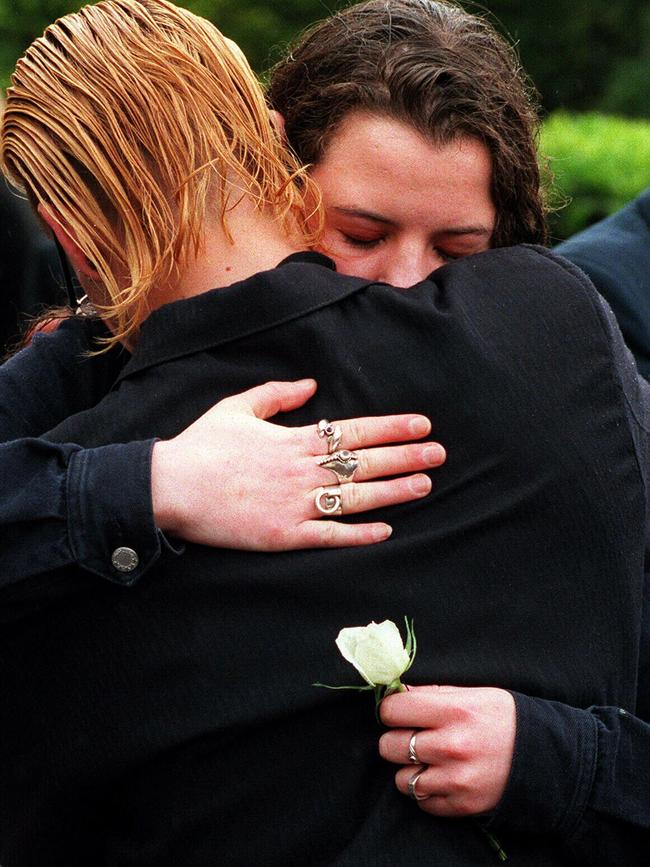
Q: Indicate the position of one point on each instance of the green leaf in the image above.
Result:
(411, 645)
(379, 694)
(358, 688)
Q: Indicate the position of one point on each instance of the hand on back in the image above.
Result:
(234, 480)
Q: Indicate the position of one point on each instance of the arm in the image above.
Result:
(582, 776)
(61, 504)
(577, 777)
(65, 504)
(55, 377)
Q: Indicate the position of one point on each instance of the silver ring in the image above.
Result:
(413, 756)
(343, 464)
(328, 501)
(412, 783)
(333, 433)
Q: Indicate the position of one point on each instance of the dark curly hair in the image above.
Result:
(443, 71)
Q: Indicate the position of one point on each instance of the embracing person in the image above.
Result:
(455, 173)
(176, 722)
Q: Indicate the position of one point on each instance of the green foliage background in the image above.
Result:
(583, 56)
(599, 163)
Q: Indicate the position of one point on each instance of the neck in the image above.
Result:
(259, 244)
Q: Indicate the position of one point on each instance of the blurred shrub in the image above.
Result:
(599, 163)
(628, 86)
(628, 91)
(586, 55)
(575, 52)
(263, 28)
(597, 55)
(21, 21)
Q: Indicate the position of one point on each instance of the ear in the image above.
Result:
(67, 240)
(277, 122)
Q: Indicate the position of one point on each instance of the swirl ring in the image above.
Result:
(328, 501)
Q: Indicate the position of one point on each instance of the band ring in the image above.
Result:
(412, 783)
(328, 501)
(413, 756)
(333, 433)
(343, 464)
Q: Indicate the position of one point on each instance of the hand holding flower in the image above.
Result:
(466, 736)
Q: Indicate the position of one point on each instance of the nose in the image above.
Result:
(407, 266)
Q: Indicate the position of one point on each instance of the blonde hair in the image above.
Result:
(128, 119)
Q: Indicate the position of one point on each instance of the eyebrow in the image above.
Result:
(377, 218)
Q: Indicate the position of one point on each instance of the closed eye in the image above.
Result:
(450, 257)
(361, 243)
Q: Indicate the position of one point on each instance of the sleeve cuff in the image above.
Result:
(111, 525)
(553, 769)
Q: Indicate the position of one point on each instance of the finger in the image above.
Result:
(395, 460)
(394, 746)
(441, 791)
(333, 534)
(364, 496)
(267, 400)
(374, 430)
(358, 432)
(418, 707)
(429, 781)
(360, 498)
(431, 788)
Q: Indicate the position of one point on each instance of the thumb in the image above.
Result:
(267, 400)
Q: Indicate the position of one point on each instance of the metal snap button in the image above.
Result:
(124, 559)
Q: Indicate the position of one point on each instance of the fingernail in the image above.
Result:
(419, 426)
(420, 485)
(434, 455)
(382, 532)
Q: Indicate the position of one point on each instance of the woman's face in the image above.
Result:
(397, 206)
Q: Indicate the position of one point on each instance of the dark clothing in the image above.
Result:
(61, 504)
(615, 253)
(175, 723)
(30, 273)
(66, 525)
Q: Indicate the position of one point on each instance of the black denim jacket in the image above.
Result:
(578, 792)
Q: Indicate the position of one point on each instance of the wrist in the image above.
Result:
(164, 491)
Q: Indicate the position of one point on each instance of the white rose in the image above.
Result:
(376, 651)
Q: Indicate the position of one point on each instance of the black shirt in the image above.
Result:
(175, 722)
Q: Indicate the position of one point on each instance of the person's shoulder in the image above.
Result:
(66, 357)
(615, 253)
(66, 340)
(526, 268)
(626, 232)
(642, 205)
(528, 295)
(311, 270)
(52, 340)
